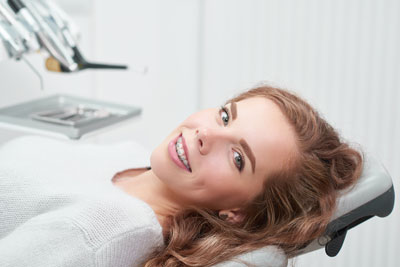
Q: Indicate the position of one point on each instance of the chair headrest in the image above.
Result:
(372, 195)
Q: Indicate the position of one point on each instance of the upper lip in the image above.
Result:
(186, 150)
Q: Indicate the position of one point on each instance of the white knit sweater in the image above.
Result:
(58, 206)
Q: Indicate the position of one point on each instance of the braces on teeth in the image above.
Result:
(181, 153)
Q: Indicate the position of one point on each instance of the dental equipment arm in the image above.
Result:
(44, 33)
(28, 39)
(13, 46)
(62, 27)
(17, 40)
(41, 24)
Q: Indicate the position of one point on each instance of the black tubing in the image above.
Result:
(15, 5)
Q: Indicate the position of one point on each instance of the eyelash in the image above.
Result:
(225, 110)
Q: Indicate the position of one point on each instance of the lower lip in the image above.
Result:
(174, 155)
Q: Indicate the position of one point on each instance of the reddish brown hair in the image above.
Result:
(295, 207)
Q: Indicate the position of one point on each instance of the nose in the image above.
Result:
(207, 138)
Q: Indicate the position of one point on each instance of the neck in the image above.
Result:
(149, 188)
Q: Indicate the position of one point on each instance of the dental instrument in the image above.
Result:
(46, 36)
(14, 46)
(40, 24)
(17, 40)
(69, 40)
(29, 40)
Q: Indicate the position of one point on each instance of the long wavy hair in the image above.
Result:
(294, 208)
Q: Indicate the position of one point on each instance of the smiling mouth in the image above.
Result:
(180, 150)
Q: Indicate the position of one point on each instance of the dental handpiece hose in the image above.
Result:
(44, 34)
(69, 39)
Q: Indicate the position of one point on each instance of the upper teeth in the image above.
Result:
(181, 152)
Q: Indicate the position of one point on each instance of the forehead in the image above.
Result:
(269, 135)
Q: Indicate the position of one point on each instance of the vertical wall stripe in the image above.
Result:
(344, 57)
(200, 53)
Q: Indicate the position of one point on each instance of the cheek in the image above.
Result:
(221, 189)
(216, 172)
(160, 163)
(157, 161)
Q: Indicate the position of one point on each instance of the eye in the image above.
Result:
(238, 160)
(223, 112)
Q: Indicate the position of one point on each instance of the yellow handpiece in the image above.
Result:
(53, 65)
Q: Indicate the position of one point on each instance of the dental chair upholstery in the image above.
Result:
(372, 195)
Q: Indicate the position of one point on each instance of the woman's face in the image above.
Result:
(230, 153)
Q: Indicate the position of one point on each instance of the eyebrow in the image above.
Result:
(233, 110)
(243, 142)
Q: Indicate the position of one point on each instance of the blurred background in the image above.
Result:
(342, 56)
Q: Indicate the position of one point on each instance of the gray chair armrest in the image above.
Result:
(373, 195)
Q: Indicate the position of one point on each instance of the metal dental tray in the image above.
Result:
(68, 115)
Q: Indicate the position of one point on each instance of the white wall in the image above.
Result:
(161, 35)
(341, 55)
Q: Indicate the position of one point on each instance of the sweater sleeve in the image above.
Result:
(57, 212)
(53, 243)
(130, 249)
(103, 236)
(122, 231)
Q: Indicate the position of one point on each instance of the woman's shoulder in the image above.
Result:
(87, 229)
(115, 215)
(118, 230)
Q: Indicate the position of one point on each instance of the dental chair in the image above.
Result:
(372, 195)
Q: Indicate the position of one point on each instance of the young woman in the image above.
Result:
(263, 170)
